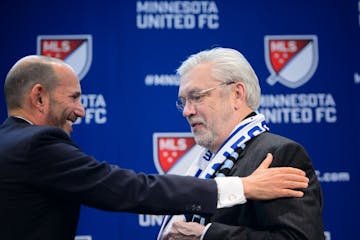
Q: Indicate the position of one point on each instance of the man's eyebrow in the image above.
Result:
(195, 90)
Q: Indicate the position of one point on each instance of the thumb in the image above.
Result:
(267, 161)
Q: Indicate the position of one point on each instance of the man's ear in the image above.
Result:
(239, 95)
(240, 91)
(38, 96)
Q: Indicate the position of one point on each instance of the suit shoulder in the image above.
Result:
(17, 131)
(42, 131)
(285, 151)
(275, 144)
(271, 140)
(47, 135)
(34, 133)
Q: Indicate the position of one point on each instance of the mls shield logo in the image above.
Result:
(174, 152)
(75, 50)
(292, 60)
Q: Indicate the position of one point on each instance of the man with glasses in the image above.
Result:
(218, 95)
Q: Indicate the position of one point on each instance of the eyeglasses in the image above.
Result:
(196, 97)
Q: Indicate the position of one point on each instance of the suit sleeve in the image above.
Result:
(280, 219)
(60, 168)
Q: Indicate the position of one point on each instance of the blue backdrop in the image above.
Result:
(126, 53)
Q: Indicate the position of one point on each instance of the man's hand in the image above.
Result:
(185, 231)
(270, 183)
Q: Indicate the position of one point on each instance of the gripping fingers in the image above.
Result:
(291, 193)
(294, 184)
(288, 170)
(295, 178)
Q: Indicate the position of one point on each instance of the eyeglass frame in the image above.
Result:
(197, 96)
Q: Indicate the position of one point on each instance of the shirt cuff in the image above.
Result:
(230, 191)
(205, 230)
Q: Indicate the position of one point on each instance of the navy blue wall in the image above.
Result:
(130, 50)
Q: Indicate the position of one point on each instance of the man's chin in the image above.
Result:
(199, 140)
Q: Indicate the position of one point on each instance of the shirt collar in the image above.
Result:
(24, 119)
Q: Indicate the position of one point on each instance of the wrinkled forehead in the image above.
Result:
(198, 78)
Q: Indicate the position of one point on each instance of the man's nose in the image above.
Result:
(189, 109)
(80, 110)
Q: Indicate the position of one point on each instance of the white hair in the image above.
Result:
(228, 65)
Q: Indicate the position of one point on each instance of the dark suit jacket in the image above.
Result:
(280, 219)
(45, 177)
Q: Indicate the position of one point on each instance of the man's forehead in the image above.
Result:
(188, 84)
(198, 78)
